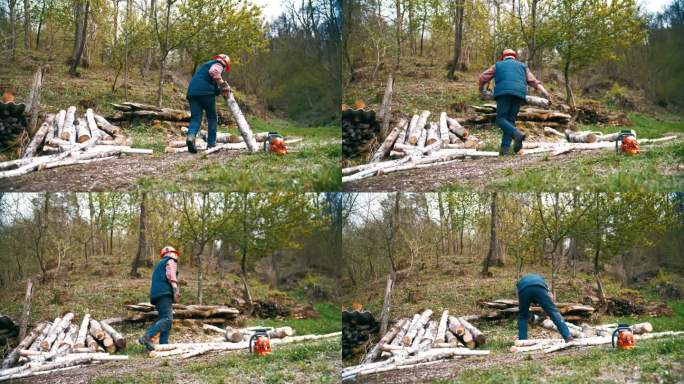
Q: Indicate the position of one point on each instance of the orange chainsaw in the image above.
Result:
(260, 343)
(275, 143)
(624, 336)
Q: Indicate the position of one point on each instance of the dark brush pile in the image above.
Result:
(357, 328)
(12, 123)
(359, 127)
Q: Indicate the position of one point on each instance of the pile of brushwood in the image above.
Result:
(59, 345)
(210, 314)
(357, 328)
(419, 342)
(65, 139)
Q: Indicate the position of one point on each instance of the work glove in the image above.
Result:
(485, 94)
(225, 89)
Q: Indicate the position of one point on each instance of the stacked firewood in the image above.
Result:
(357, 328)
(530, 116)
(419, 143)
(590, 336)
(12, 122)
(232, 340)
(359, 127)
(8, 329)
(131, 110)
(145, 312)
(419, 341)
(57, 345)
(506, 308)
(64, 139)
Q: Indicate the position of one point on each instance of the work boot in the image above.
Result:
(191, 144)
(147, 342)
(209, 146)
(505, 151)
(570, 339)
(518, 142)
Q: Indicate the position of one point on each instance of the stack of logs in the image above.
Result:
(419, 341)
(64, 139)
(128, 111)
(357, 329)
(507, 308)
(359, 127)
(530, 117)
(12, 123)
(53, 346)
(210, 314)
(232, 340)
(8, 329)
(590, 336)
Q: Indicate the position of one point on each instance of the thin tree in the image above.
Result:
(492, 254)
(142, 239)
(82, 10)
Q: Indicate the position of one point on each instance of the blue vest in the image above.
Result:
(529, 281)
(160, 284)
(510, 78)
(202, 84)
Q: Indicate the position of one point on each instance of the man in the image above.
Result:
(163, 293)
(512, 78)
(533, 289)
(205, 85)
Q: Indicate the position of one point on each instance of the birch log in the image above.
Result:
(36, 343)
(388, 143)
(242, 124)
(548, 324)
(38, 137)
(82, 131)
(581, 137)
(56, 331)
(413, 131)
(82, 332)
(444, 129)
(375, 352)
(418, 129)
(399, 338)
(442, 327)
(13, 356)
(56, 128)
(478, 336)
(106, 126)
(96, 330)
(67, 132)
(431, 134)
(119, 340)
(384, 317)
(457, 129)
(92, 125)
(419, 324)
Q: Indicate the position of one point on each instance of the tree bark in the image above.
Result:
(81, 15)
(492, 254)
(458, 38)
(142, 242)
(384, 317)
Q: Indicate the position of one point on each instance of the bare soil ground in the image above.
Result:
(121, 174)
(473, 173)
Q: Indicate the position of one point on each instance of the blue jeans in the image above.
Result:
(539, 295)
(163, 325)
(507, 108)
(199, 104)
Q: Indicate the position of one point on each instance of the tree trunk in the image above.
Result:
(569, 96)
(40, 24)
(384, 317)
(492, 255)
(27, 24)
(82, 10)
(142, 242)
(12, 5)
(25, 313)
(399, 23)
(458, 39)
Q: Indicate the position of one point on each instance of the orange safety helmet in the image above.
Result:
(224, 59)
(509, 52)
(630, 145)
(166, 250)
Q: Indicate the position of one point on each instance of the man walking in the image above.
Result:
(512, 78)
(163, 293)
(533, 289)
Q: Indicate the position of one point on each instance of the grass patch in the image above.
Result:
(654, 170)
(156, 377)
(310, 363)
(328, 322)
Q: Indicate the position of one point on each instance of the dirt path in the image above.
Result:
(477, 173)
(121, 174)
(452, 368)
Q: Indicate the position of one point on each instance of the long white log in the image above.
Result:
(56, 331)
(411, 130)
(419, 324)
(68, 132)
(444, 129)
(38, 137)
(106, 126)
(56, 128)
(442, 327)
(375, 352)
(82, 332)
(242, 124)
(419, 128)
(478, 336)
(388, 143)
(119, 340)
